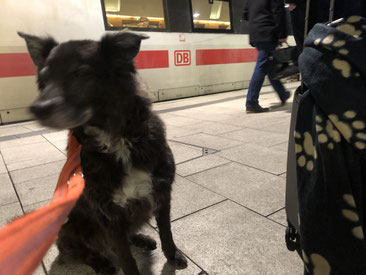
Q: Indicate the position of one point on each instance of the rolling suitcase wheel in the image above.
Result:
(292, 238)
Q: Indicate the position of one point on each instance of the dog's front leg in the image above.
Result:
(174, 256)
(121, 247)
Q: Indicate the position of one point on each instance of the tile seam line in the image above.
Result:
(55, 146)
(203, 170)
(7, 204)
(208, 169)
(183, 136)
(31, 133)
(201, 209)
(64, 159)
(37, 157)
(193, 145)
(229, 199)
(273, 174)
(255, 212)
(215, 149)
(188, 160)
(48, 200)
(247, 142)
(275, 212)
(20, 145)
(270, 126)
(207, 187)
(279, 144)
(185, 254)
(27, 181)
(12, 183)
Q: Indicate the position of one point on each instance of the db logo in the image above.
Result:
(182, 58)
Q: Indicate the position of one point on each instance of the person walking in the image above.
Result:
(267, 29)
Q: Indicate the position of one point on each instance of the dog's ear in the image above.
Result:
(122, 44)
(38, 48)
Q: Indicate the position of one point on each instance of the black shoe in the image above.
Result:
(287, 96)
(256, 109)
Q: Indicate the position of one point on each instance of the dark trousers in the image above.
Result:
(260, 71)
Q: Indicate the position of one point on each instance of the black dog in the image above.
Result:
(93, 89)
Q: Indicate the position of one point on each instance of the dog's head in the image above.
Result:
(77, 78)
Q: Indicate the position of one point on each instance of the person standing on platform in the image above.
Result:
(267, 29)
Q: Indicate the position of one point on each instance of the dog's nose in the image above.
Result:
(43, 108)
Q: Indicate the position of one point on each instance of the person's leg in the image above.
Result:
(257, 79)
(280, 89)
(277, 85)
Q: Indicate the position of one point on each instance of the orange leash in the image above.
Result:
(25, 241)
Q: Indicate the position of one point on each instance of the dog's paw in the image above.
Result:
(179, 261)
(143, 241)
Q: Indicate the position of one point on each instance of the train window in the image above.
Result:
(134, 14)
(211, 15)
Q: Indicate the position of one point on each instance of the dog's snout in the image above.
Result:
(42, 108)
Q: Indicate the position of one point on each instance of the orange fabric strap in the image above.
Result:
(25, 241)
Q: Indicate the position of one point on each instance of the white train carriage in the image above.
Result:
(196, 47)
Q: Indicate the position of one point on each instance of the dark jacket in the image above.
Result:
(267, 20)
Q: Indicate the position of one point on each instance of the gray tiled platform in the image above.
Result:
(257, 137)
(200, 164)
(2, 166)
(279, 217)
(13, 130)
(260, 157)
(254, 189)
(31, 155)
(7, 192)
(212, 128)
(227, 213)
(229, 239)
(209, 141)
(149, 263)
(36, 190)
(9, 212)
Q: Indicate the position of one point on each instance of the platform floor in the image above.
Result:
(228, 203)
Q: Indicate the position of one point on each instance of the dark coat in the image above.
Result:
(267, 20)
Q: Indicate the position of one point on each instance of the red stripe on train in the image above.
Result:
(20, 64)
(225, 56)
(152, 59)
(16, 64)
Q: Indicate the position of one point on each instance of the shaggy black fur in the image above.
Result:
(92, 88)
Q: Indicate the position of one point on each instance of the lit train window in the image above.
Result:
(135, 14)
(211, 15)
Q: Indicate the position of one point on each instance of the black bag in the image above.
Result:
(283, 62)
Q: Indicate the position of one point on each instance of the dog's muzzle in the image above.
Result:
(43, 108)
